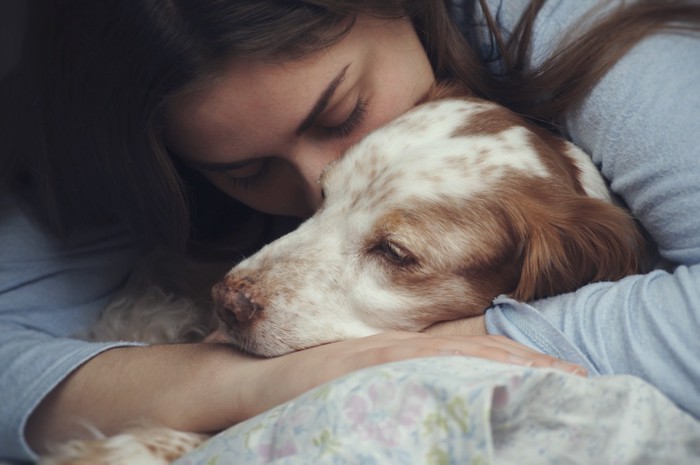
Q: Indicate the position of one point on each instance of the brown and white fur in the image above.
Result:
(426, 219)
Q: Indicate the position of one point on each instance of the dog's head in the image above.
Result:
(428, 219)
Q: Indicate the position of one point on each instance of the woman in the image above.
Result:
(131, 112)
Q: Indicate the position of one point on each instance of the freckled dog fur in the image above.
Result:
(429, 219)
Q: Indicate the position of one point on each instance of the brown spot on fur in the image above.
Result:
(527, 238)
(489, 122)
(551, 148)
(552, 152)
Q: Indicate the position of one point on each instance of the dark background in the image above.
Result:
(11, 25)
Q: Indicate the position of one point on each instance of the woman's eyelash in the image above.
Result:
(251, 181)
(356, 117)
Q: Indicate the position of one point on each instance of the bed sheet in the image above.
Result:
(460, 410)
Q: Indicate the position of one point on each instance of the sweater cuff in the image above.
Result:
(524, 324)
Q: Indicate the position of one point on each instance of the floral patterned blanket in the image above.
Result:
(459, 410)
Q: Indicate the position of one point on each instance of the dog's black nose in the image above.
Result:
(233, 304)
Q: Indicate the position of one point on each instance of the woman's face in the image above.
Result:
(264, 132)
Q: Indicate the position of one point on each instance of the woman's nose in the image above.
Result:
(309, 161)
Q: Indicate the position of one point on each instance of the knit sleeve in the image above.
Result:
(641, 125)
(48, 292)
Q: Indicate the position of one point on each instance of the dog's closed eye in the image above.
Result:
(394, 252)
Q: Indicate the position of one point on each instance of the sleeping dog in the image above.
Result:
(428, 219)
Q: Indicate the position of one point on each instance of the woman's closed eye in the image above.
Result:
(353, 121)
(247, 174)
(251, 173)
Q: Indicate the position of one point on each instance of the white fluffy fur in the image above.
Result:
(139, 445)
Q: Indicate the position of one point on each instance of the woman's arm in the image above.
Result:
(48, 291)
(208, 387)
(54, 385)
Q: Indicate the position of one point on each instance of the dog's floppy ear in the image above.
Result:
(571, 241)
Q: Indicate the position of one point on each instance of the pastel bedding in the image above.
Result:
(459, 410)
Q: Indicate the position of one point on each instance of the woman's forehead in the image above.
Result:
(251, 98)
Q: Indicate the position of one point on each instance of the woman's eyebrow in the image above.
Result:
(322, 101)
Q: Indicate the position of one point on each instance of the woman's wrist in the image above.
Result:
(471, 326)
(217, 391)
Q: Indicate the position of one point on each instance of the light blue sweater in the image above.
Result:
(642, 126)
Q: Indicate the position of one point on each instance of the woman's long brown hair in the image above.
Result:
(545, 93)
(82, 116)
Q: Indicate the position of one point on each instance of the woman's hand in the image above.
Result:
(276, 380)
(517, 353)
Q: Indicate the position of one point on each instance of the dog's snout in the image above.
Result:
(233, 303)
